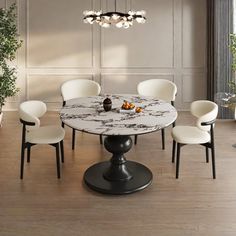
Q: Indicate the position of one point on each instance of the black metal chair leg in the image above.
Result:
(207, 155)
(213, 161)
(173, 151)
(101, 142)
(135, 139)
(213, 152)
(163, 138)
(173, 104)
(178, 160)
(28, 153)
(58, 161)
(22, 161)
(62, 151)
(73, 139)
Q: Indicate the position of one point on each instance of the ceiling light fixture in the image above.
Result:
(119, 19)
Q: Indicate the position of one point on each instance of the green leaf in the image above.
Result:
(9, 44)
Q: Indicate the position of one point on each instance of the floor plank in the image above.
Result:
(195, 204)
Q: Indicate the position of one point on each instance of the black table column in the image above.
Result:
(118, 176)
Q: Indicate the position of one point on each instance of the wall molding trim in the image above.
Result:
(171, 45)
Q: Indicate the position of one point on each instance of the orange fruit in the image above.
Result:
(138, 109)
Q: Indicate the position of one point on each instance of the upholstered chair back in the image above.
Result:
(31, 111)
(205, 111)
(159, 88)
(79, 88)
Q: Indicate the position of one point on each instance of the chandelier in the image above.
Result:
(119, 19)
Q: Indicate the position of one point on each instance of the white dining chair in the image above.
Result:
(161, 89)
(202, 133)
(79, 88)
(33, 133)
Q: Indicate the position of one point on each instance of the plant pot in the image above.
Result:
(1, 116)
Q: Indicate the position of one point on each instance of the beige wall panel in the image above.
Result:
(57, 36)
(194, 33)
(9, 2)
(58, 46)
(47, 87)
(143, 45)
(2, 3)
(126, 83)
(193, 87)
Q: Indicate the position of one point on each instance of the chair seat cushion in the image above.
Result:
(45, 135)
(190, 135)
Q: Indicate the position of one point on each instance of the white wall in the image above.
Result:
(58, 46)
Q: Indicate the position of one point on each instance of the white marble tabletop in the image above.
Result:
(87, 114)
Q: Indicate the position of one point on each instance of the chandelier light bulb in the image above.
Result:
(104, 24)
(115, 16)
(98, 13)
(126, 25)
(130, 18)
(143, 13)
(130, 23)
(140, 20)
(119, 24)
(98, 19)
(88, 13)
(130, 12)
(89, 20)
(106, 18)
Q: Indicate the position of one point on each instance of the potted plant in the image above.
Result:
(232, 83)
(9, 43)
(228, 99)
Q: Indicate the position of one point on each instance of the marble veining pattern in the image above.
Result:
(87, 114)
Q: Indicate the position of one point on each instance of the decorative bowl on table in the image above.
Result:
(107, 104)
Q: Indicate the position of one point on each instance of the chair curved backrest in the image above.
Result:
(159, 88)
(205, 111)
(31, 111)
(79, 88)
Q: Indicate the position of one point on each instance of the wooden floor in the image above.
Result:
(195, 204)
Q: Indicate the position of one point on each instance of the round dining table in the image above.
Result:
(118, 175)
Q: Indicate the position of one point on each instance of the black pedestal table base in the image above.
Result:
(118, 176)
